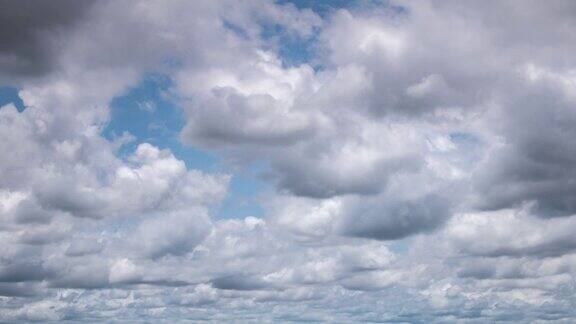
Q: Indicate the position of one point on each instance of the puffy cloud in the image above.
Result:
(175, 234)
(511, 233)
(421, 163)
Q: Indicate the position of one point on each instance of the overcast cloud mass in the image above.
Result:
(288, 161)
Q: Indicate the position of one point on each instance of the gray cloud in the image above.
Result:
(535, 165)
(238, 283)
(396, 219)
(20, 289)
(31, 34)
(22, 271)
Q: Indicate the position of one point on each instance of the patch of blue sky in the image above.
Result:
(9, 95)
(322, 7)
(293, 49)
(400, 246)
(464, 138)
(247, 188)
(148, 113)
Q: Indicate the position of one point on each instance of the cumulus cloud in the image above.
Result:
(420, 162)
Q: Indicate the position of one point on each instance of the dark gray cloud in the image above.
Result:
(20, 289)
(305, 176)
(32, 32)
(392, 220)
(25, 270)
(535, 166)
(238, 282)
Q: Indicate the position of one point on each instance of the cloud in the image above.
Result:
(419, 163)
(533, 164)
(174, 234)
(32, 33)
(394, 220)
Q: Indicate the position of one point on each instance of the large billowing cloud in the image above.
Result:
(419, 157)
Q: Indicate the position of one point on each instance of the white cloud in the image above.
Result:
(421, 163)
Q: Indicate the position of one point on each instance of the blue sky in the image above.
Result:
(10, 95)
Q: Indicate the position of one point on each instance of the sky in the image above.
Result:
(260, 161)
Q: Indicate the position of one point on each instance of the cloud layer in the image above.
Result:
(419, 157)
